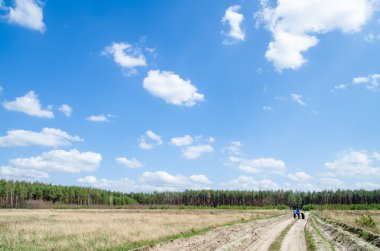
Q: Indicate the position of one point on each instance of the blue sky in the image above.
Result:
(171, 95)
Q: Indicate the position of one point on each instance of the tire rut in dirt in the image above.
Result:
(295, 238)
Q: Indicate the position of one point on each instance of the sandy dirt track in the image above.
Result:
(256, 235)
(295, 238)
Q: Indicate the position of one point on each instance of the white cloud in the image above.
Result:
(66, 109)
(298, 99)
(330, 183)
(267, 108)
(372, 81)
(357, 164)
(163, 177)
(18, 173)
(71, 161)
(99, 118)
(201, 178)
(127, 56)
(249, 183)
(47, 137)
(27, 13)
(371, 37)
(259, 165)
(122, 184)
(150, 140)
(149, 182)
(234, 148)
(340, 87)
(182, 141)
(299, 176)
(28, 104)
(234, 20)
(194, 152)
(366, 185)
(131, 163)
(172, 88)
(294, 25)
(304, 187)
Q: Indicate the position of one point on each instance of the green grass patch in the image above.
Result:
(366, 221)
(309, 240)
(342, 207)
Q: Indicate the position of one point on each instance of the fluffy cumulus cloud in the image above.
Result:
(29, 104)
(71, 161)
(194, 152)
(294, 25)
(149, 140)
(249, 183)
(372, 81)
(357, 164)
(201, 178)
(130, 163)
(150, 181)
(99, 118)
(122, 184)
(126, 56)
(27, 13)
(19, 173)
(298, 99)
(299, 176)
(47, 137)
(66, 109)
(259, 165)
(172, 88)
(182, 141)
(234, 19)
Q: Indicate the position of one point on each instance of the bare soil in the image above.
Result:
(256, 235)
(295, 239)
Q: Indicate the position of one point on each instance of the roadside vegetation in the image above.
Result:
(110, 229)
(309, 240)
(363, 224)
(365, 219)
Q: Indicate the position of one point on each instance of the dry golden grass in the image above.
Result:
(101, 229)
(349, 217)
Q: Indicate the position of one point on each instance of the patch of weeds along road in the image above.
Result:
(309, 240)
(366, 221)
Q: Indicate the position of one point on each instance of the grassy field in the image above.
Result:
(364, 219)
(104, 229)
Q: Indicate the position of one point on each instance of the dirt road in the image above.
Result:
(256, 235)
(295, 238)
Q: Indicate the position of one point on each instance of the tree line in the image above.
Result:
(15, 194)
(215, 198)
